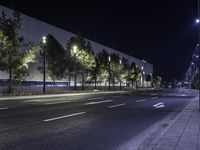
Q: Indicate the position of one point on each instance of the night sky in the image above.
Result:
(163, 32)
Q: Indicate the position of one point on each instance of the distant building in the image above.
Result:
(32, 30)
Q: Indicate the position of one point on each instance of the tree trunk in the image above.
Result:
(69, 84)
(83, 79)
(95, 81)
(10, 82)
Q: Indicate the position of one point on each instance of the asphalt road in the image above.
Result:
(87, 122)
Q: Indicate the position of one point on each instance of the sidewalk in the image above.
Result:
(184, 132)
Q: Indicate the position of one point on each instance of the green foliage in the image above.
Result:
(13, 57)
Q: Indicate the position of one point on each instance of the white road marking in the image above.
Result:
(61, 102)
(154, 97)
(159, 105)
(118, 96)
(96, 98)
(141, 100)
(3, 108)
(66, 116)
(154, 94)
(118, 105)
(46, 100)
(98, 102)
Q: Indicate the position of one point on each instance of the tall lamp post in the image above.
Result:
(109, 59)
(120, 83)
(75, 51)
(44, 64)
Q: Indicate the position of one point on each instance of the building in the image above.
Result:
(33, 30)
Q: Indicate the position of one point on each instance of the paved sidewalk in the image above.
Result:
(184, 132)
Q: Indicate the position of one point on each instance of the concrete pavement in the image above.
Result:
(183, 133)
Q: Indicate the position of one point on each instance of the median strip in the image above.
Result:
(98, 102)
(4, 108)
(118, 105)
(66, 116)
(142, 100)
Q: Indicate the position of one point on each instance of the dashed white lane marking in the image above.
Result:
(96, 98)
(52, 103)
(141, 100)
(154, 94)
(159, 105)
(98, 102)
(154, 97)
(66, 116)
(3, 108)
(118, 96)
(118, 105)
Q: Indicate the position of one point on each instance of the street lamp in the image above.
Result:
(197, 20)
(109, 59)
(44, 64)
(75, 51)
(120, 83)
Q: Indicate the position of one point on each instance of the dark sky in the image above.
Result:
(162, 32)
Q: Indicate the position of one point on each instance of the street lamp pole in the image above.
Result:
(44, 64)
(109, 59)
(75, 51)
(120, 83)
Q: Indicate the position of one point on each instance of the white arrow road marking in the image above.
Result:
(4, 108)
(141, 100)
(98, 102)
(52, 103)
(159, 105)
(118, 105)
(66, 116)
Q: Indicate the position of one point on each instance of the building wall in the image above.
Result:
(32, 30)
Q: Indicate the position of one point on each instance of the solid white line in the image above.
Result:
(4, 108)
(118, 105)
(51, 103)
(154, 97)
(66, 116)
(98, 102)
(96, 98)
(142, 100)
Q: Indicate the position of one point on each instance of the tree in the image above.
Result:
(85, 58)
(55, 58)
(12, 48)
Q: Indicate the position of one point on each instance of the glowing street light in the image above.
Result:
(197, 20)
(44, 64)
(75, 51)
(109, 59)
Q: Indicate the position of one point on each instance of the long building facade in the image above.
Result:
(33, 30)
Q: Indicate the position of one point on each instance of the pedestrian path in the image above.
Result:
(184, 133)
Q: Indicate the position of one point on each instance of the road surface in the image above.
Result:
(85, 122)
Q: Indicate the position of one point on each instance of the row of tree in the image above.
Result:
(103, 67)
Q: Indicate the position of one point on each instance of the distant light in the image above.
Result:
(75, 49)
(142, 67)
(44, 39)
(120, 61)
(197, 20)
(197, 56)
(109, 59)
